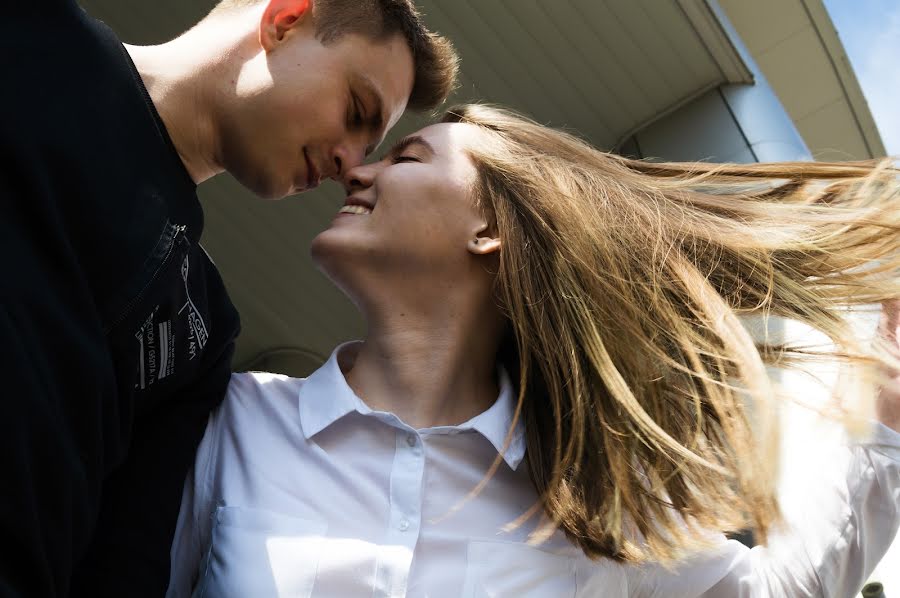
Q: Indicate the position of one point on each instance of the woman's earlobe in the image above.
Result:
(484, 245)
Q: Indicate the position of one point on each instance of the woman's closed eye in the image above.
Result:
(405, 158)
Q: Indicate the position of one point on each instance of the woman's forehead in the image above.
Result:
(448, 138)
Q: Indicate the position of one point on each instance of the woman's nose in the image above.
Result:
(360, 177)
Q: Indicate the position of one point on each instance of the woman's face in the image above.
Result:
(410, 218)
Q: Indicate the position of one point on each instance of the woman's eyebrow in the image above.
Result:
(408, 141)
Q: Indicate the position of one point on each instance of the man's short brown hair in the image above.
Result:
(436, 62)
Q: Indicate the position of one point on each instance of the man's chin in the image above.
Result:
(274, 193)
(264, 187)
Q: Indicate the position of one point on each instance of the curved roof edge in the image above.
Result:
(794, 45)
(828, 35)
(718, 41)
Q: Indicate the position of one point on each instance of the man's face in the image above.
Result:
(306, 111)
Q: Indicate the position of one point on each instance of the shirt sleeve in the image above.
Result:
(829, 552)
(194, 524)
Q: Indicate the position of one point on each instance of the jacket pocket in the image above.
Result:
(260, 553)
(172, 243)
(506, 569)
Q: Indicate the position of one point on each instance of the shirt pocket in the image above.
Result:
(505, 569)
(261, 554)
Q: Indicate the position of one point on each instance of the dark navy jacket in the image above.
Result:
(116, 331)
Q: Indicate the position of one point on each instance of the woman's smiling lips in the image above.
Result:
(357, 205)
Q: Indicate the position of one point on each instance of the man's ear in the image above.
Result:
(484, 241)
(279, 17)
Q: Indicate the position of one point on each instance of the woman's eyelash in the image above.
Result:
(405, 159)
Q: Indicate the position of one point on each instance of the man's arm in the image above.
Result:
(130, 554)
(56, 377)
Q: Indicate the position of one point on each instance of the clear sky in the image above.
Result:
(870, 32)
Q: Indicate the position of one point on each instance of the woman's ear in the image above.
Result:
(279, 17)
(484, 241)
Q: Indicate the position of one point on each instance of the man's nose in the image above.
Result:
(347, 156)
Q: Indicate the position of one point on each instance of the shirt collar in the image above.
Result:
(325, 397)
(494, 423)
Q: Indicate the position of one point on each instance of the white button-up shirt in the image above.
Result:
(299, 489)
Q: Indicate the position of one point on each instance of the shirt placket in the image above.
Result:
(405, 518)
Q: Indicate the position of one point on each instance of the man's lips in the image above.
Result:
(312, 175)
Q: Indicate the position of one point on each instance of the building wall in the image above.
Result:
(734, 123)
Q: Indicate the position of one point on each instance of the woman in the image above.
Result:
(550, 397)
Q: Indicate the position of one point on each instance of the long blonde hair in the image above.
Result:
(623, 281)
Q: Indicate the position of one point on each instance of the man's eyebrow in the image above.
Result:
(407, 141)
(376, 116)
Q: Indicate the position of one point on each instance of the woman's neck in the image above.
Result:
(429, 369)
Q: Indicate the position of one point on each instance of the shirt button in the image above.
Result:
(411, 440)
(404, 525)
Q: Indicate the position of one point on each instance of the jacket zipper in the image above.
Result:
(176, 239)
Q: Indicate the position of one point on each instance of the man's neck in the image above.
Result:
(180, 78)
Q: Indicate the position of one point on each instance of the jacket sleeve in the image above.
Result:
(56, 372)
(131, 548)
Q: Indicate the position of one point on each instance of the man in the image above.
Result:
(116, 329)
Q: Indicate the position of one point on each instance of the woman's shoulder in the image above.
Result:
(249, 437)
(260, 400)
(263, 382)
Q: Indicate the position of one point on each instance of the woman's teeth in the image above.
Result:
(355, 210)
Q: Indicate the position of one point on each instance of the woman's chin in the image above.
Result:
(333, 249)
(321, 248)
